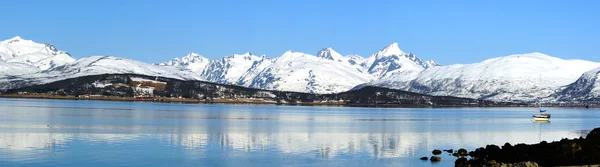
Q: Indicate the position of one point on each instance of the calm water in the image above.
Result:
(98, 133)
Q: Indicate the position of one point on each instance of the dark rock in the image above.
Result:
(435, 159)
(569, 149)
(526, 164)
(478, 161)
(491, 162)
(480, 152)
(462, 152)
(460, 162)
(594, 134)
(567, 152)
(450, 151)
(436, 152)
(424, 158)
(493, 152)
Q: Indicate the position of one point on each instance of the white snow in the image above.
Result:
(137, 79)
(54, 61)
(97, 65)
(594, 76)
(300, 72)
(192, 61)
(13, 69)
(330, 54)
(254, 71)
(144, 90)
(586, 87)
(514, 77)
(43, 56)
(393, 61)
(98, 84)
(229, 69)
(328, 72)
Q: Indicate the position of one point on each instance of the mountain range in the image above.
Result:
(519, 77)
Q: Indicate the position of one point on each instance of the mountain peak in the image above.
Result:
(13, 39)
(391, 49)
(246, 56)
(329, 53)
(16, 38)
(193, 55)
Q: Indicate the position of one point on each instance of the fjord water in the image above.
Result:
(36, 132)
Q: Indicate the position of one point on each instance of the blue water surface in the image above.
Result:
(35, 132)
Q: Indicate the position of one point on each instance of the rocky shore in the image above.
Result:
(566, 152)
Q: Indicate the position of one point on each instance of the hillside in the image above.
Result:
(133, 85)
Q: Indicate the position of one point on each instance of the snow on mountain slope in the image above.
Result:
(229, 69)
(300, 72)
(114, 65)
(254, 70)
(514, 77)
(430, 63)
(192, 61)
(54, 61)
(394, 68)
(393, 61)
(13, 69)
(354, 59)
(586, 87)
(43, 56)
(96, 65)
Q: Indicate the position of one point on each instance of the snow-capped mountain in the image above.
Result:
(520, 77)
(586, 87)
(96, 65)
(301, 72)
(42, 56)
(514, 77)
(192, 61)
(350, 60)
(393, 61)
(229, 69)
(327, 72)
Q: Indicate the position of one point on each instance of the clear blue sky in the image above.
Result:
(446, 31)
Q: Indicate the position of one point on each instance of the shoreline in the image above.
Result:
(239, 101)
(566, 152)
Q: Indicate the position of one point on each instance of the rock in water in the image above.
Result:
(450, 151)
(435, 159)
(594, 134)
(460, 162)
(424, 158)
(462, 152)
(436, 152)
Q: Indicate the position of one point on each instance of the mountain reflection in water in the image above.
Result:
(92, 133)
